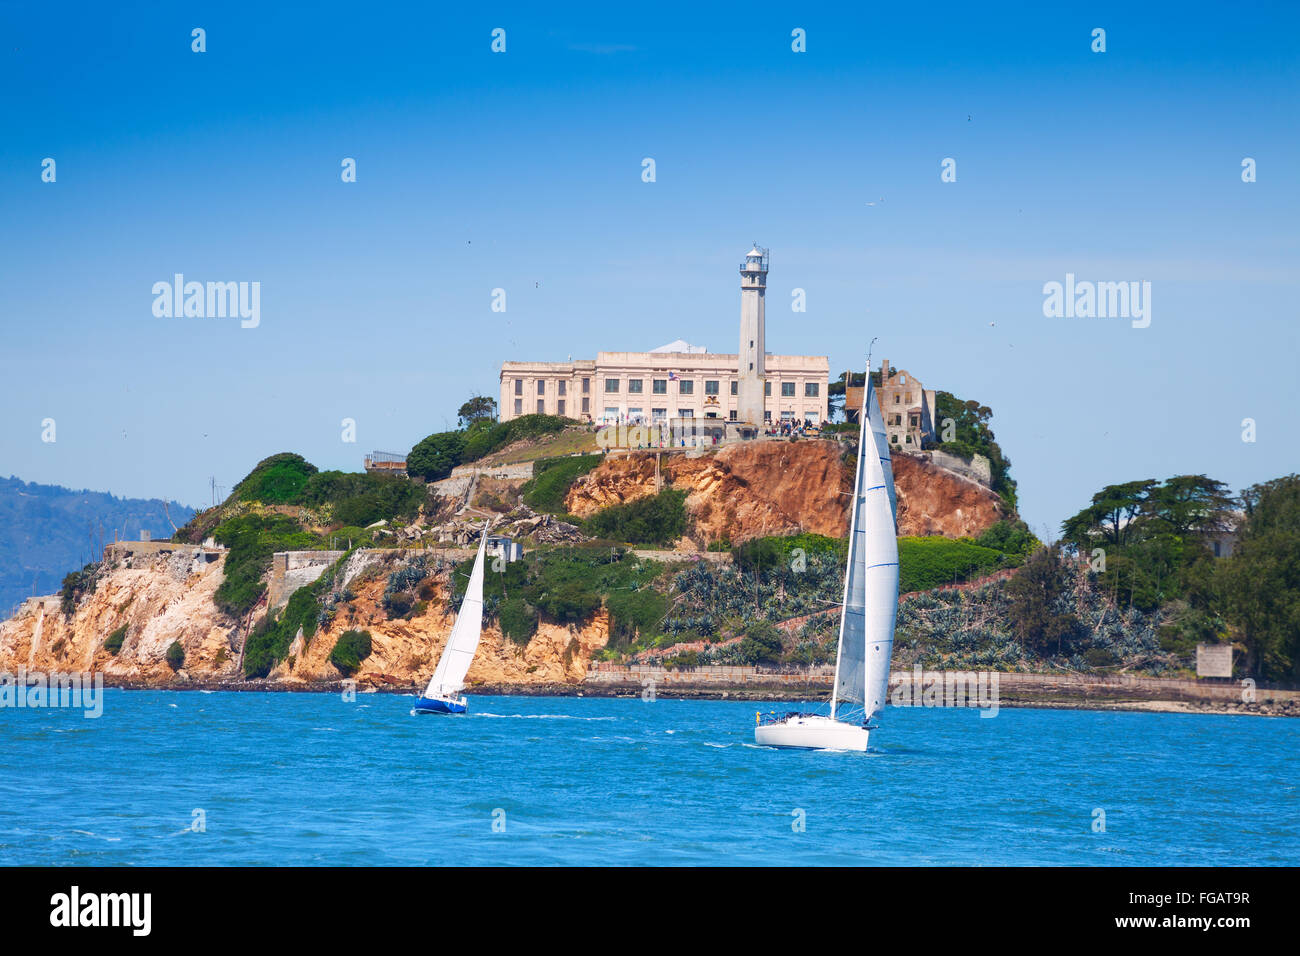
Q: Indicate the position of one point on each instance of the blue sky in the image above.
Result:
(523, 171)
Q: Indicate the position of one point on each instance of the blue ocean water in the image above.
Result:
(312, 779)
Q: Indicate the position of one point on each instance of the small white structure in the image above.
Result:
(499, 546)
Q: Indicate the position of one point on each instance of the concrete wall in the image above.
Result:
(291, 570)
(978, 469)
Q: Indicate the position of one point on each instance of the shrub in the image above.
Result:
(659, 519)
(518, 620)
(350, 650)
(252, 539)
(114, 642)
(761, 644)
(175, 656)
(552, 479)
(275, 480)
(926, 563)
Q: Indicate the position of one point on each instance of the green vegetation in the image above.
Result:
(478, 408)
(175, 656)
(359, 498)
(276, 480)
(1258, 587)
(971, 435)
(567, 585)
(925, 563)
(434, 456)
(552, 479)
(252, 539)
(761, 644)
(1039, 618)
(656, 520)
(1012, 537)
(76, 585)
(113, 643)
(350, 650)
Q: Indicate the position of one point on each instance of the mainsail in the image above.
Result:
(449, 677)
(871, 578)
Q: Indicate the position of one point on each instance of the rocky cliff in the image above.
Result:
(776, 487)
(169, 598)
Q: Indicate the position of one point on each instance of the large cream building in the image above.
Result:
(678, 380)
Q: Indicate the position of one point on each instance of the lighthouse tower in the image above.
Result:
(751, 372)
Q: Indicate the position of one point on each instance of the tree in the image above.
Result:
(478, 408)
(971, 435)
(1111, 516)
(434, 457)
(1261, 580)
(761, 644)
(1036, 617)
(1187, 505)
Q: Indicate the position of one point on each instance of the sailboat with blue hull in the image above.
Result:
(443, 695)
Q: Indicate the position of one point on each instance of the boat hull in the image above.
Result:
(437, 705)
(812, 733)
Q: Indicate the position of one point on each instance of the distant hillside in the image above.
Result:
(47, 531)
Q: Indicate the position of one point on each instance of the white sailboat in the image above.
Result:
(868, 612)
(443, 696)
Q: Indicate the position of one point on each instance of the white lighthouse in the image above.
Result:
(751, 373)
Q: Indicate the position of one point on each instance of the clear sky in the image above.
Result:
(522, 171)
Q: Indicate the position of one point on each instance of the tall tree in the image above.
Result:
(1261, 581)
(1188, 505)
(1111, 517)
(1037, 619)
(478, 408)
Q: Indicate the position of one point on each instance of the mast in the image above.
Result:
(853, 527)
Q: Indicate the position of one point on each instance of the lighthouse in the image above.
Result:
(750, 372)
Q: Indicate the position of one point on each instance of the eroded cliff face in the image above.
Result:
(160, 600)
(933, 500)
(750, 490)
(166, 599)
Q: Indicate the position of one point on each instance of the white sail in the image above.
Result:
(871, 577)
(449, 677)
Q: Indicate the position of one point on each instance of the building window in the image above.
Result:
(586, 406)
(902, 380)
(541, 386)
(731, 415)
(559, 406)
(711, 388)
(787, 416)
(811, 389)
(611, 385)
(634, 385)
(909, 439)
(734, 387)
(767, 416)
(658, 414)
(897, 398)
(686, 387)
(519, 386)
(767, 388)
(634, 415)
(908, 398)
(611, 414)
(519, 406)
(586, 386)
(685, 413)
(787, 389)
(561, 384)
(659, 386)
(1217, 553)
(541, 406)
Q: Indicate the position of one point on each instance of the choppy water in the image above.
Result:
(312, 779)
